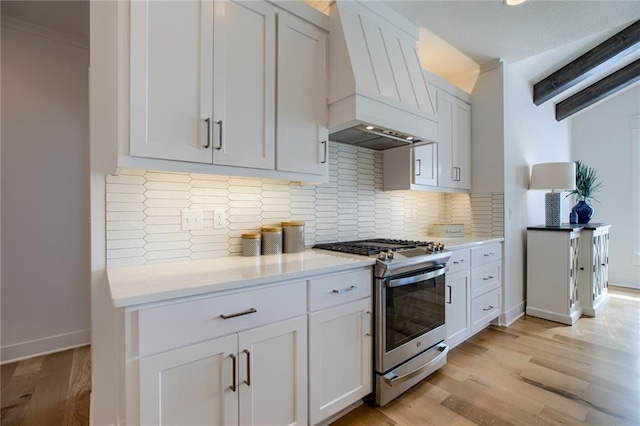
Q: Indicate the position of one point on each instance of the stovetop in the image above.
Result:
(373, 247)
(393, 256)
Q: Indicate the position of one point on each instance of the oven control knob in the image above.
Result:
(391, 254)
(382, 255)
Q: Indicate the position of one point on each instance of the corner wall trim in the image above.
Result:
(45, 345)
(512, 315)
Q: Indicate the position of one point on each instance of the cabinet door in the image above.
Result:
(244, 84)
(458, 308)
(171, 68)
(454, 150)
(273, 374)
(425, 165)
(446, 172)
(600, 264)
(461, 147)
(340, 356)
(302, 97)
(191, 386)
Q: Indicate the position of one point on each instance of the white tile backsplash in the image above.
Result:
(144, 207)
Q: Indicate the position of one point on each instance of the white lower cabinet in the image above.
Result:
(257, 377)
(473, 290)
(457, 310)
(340, 342)
(283, 353)
(340, 355)
(191, 385)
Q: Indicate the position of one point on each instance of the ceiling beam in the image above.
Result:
(588, 64)
(609, 85)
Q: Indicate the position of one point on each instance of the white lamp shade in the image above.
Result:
(553, 176)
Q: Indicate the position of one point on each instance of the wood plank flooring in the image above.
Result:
(48, 390)
(535, 372)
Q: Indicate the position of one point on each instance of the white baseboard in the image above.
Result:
(512, 315)
(623, 282)
(44, 346)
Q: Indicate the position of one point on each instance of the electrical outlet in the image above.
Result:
(191, 219)
(219, 219)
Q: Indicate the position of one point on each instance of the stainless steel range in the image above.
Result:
(409, 301)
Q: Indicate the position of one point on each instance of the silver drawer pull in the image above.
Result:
(455, 263)
(239, 314)
(488, 278)
(489, 254)
(488, 309)
(344, 290)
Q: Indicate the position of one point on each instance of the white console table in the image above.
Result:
(567, 271)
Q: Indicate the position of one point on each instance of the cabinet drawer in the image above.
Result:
(485, 308)
(459, 261)
(341, 288)
(485, 278)
(179, 324)
(485, 254)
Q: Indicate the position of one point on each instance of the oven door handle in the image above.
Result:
(392, 379)
(399, 282)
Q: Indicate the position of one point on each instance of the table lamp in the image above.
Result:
(556, 177)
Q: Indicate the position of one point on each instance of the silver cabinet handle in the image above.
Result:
(344, 290)
(488, 278)
(239, 314)
(419, 161)
(219, 147)
(248, 381)
(449, 302)
(234, 384)
(488, 309)
(489, 254)
(208, 121)
(455, 263)
(324, 143)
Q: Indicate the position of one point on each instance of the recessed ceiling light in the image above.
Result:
(370, 127)
(513, 2)
(409, 138)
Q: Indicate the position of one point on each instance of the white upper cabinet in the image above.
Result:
(171, 68)
(202, 78)
(454, 155)
(302, 135)
(244, 84)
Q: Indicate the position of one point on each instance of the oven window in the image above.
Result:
(413, 310)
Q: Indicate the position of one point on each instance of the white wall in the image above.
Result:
(532, 135)
(602, 138)
(45, 209)
(510, 135)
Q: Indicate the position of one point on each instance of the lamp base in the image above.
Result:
(553, 208)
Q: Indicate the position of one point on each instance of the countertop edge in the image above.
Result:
(160, 296)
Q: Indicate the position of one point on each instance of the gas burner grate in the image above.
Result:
(372, 246)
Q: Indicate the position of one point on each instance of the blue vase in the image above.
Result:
(584, 211)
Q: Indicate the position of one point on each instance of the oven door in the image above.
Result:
(410, 316)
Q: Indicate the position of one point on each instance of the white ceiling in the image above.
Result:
(483, 30)
(70, 17)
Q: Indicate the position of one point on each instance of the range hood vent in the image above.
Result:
(372, 137)
(376, 79)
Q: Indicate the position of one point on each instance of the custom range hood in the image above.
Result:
(378, 95)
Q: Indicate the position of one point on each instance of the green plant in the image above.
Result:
(587, 183)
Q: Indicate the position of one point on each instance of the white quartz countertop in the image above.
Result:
(134, 285)
(457, 243)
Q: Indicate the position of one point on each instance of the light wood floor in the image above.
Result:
(48, 390)
(535, 372)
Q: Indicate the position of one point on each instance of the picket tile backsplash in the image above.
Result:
(144, 209)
